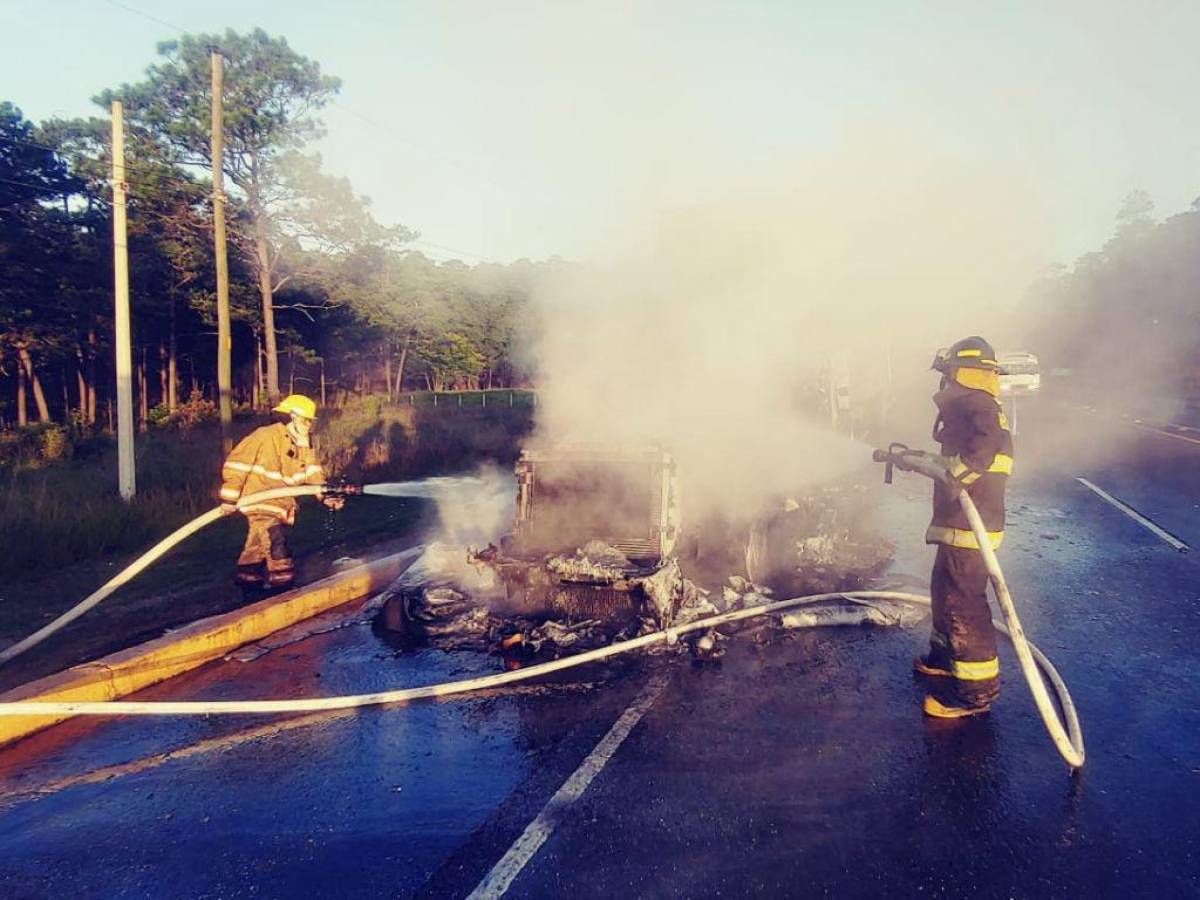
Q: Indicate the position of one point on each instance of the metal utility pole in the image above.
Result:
(224, 330)
(126, 477)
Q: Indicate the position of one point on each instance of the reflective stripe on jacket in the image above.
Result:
(269, 458)
(973, 431)
(959, 537)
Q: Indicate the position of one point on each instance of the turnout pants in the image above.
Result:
(265, 559)
(963, 640)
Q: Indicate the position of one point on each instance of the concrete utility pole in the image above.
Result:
(126, 477)
(224, 330)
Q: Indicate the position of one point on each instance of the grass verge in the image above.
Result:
(65, 532)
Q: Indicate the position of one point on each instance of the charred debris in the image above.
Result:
(598, 553)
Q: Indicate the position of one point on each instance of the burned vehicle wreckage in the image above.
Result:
(598, 553)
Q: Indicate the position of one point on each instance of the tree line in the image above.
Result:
(325, 299)
(1123, 322)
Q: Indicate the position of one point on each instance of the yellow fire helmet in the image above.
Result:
(297, 405)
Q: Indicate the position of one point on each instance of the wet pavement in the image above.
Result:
(795, 766)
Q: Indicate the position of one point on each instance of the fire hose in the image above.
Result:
(1069, 743)
(1067, 735)
(153, 554)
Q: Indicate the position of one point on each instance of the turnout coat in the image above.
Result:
(973, 431)
(269, 457)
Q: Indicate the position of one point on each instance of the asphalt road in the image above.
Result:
(797, 765)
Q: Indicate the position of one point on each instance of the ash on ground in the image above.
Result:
(458, 598)
(454, 597)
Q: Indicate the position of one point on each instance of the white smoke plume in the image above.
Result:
(712, 335)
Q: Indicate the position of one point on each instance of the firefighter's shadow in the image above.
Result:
(382, 451)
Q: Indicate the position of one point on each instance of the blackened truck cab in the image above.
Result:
(595, 533)
(568, 496)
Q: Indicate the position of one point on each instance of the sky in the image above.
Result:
(526, 129)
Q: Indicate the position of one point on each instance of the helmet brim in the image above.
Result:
(294, 412)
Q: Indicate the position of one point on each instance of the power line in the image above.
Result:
(448, 160)
(107, 163)
(452, 250)
(35, 144)
(36, 187)
(145, 15)
(426, 151)
(15, 207)
(79, 154)
(381, 127)
(57, 192)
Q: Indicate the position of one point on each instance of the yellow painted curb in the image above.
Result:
(126, 671)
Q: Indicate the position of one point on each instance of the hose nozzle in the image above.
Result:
(343, 489)
(902, 457)
(884, 457)
(893, 456)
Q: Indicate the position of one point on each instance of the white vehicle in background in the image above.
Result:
(1020, 373)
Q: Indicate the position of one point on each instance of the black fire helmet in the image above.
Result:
(969, 353)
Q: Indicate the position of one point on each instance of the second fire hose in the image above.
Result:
(498, 679)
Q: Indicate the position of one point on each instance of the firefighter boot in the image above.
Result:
(938, 660)
(251, 565)
(249, 576)
(281, 573)
(955, 709)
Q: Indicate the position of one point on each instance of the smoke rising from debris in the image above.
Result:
(716, 334)
(480, 512)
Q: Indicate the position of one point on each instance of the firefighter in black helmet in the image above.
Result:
(963, 670)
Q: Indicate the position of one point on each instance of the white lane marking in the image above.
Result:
(498, 880)
(1170, 434)
(1135, 515)
(1161, 429)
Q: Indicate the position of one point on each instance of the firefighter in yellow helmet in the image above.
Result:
(963, 670)
(274, 456)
